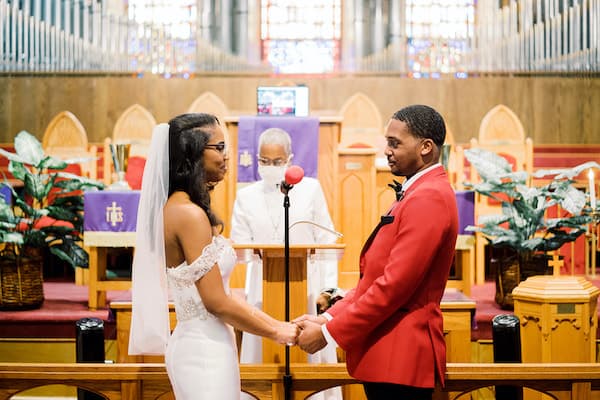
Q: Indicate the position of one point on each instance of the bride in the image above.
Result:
(179, 246)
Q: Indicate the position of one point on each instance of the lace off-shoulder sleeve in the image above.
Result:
(200, 266)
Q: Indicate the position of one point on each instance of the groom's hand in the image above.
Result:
(311, 337)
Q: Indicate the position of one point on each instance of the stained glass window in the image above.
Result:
(164, 41)
(301, 36)
(439, 34)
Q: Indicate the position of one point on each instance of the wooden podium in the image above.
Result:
(273, 262)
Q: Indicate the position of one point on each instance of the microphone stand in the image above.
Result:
(287, 376)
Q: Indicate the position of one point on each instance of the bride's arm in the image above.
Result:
(239, 314)
(193, 233)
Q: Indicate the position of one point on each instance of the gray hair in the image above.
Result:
(276, 136)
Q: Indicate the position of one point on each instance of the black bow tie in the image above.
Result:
(397, 186)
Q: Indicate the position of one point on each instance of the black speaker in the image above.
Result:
(506, 335)
(89, 346)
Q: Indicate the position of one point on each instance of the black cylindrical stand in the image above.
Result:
(89, 348)
(507, 349)
(287, 377)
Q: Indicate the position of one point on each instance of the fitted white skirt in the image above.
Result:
(202, 361)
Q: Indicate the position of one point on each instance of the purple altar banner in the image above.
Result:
(465, 202)
(304, 132)
(110, 211)
(6, 193)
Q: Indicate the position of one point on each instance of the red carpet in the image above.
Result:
(486, 310)
(65, 303)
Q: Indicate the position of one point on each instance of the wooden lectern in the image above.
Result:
(273, 262)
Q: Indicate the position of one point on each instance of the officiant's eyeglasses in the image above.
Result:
(221, 147)
(278, 162)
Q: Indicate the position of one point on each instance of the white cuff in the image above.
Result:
(327, 335)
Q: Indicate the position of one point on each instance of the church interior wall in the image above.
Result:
(552, 109)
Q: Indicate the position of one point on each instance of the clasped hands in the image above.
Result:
(305, 331)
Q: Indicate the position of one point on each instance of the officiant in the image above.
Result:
(258, 218)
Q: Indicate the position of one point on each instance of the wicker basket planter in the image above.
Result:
(21, 281)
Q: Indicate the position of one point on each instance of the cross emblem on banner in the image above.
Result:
(245, 159)
(114, 214)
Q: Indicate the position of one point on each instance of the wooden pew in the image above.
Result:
(150, 381)
(456, 308)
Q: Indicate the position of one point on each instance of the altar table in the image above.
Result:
(110, 219)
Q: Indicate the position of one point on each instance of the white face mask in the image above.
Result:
(271, 174)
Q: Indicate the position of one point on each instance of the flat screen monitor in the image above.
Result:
(282, 100)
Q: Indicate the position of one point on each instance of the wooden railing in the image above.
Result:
(265, 381)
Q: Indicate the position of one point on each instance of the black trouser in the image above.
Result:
(392, 391)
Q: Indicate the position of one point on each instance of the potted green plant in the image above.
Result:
(46, 213)
(523, 227)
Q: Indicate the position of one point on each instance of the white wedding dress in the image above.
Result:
(201, 356)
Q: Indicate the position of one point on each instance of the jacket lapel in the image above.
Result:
(385, 220)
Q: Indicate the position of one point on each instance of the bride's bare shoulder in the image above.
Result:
(180, 210)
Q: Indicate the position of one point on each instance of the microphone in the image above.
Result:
(293, 175)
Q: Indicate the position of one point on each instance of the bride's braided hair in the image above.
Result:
(187, 141)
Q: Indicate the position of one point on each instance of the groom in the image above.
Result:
(390, 325)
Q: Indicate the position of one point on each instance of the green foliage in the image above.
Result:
(523, 225)
(48, 212)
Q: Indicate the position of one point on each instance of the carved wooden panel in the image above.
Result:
(134, 126)
(208, 102)
(357, 202)
(66, 138)
(501, 132)
(362, 122)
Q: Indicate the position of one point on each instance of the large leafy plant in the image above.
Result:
(48, 211)
(523, 224)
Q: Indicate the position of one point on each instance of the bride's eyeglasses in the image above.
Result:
(221, 147)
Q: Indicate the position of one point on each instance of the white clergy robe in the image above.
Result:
(258, 217)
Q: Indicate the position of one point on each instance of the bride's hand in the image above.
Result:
(318, 319)
(287, 333)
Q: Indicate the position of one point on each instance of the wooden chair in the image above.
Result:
(208, 102)
(134, 126)
(455, 161)
(223, 195)
(362, 125)
(66, 138)
(500, 131)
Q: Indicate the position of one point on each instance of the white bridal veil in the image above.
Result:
(150, 311)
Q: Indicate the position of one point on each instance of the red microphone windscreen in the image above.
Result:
(294, 174)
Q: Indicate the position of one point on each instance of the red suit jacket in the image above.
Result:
(390, 325)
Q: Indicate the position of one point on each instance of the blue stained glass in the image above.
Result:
(301, 36)
(439, 33)
(171, 23)
(301, 56)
